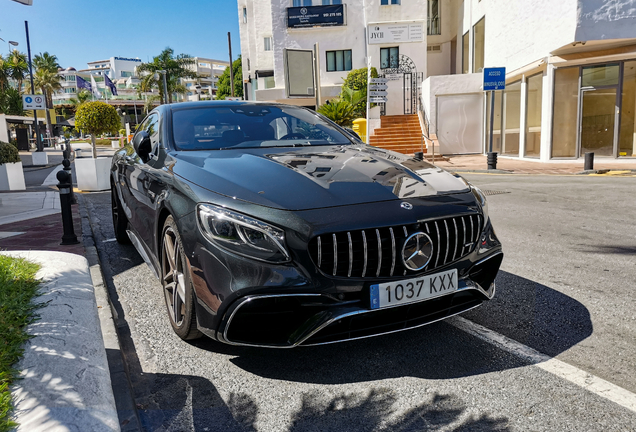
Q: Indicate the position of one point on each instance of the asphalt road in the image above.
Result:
(566, 289)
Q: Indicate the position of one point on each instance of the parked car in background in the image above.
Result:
(269, 225)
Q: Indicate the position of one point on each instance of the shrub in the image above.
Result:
(122, 132)
(339, 111)
(357, 79)
(8, 153)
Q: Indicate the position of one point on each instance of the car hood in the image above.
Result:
(314, 177)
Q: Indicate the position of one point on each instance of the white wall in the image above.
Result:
(603, 19)
(447, 85)
(520, 32)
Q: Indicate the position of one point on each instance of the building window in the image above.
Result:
(245, 15)
(69, 78)
(302, 3)
(331, 2)
(465, 52)
(248, 64)
(565, 118)
(126, 74)
(69, 90)
(338, 60)
(269, 82)
(479, 39)
(433, 24)
(627, 134)
(534, 90)
(267, 43)
(387, 2)
(389, 57)
(512, 123)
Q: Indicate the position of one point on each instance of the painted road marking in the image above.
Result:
(51, 179)
(556, 367)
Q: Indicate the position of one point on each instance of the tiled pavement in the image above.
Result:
(42, 233)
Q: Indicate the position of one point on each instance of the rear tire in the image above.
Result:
(120, 221)
(177, 283)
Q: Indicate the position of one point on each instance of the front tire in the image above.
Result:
(120, 221)
(177, 284)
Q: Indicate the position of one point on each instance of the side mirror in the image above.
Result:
(353, 133)
(142, 145)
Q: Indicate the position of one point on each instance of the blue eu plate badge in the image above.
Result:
(375, 296)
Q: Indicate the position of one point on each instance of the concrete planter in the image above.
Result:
(114, 144)
(12, 176)
(93, 174)
(39, 158)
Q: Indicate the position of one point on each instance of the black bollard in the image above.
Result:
(418, 156)
(64, 185)
(492, 160)
(67, 168)
(589, 161)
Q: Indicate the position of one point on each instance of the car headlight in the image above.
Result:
(242, 234)
(481, 198)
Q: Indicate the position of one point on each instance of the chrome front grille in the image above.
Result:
(377, 252)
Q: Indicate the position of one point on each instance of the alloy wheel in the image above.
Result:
(173, 277)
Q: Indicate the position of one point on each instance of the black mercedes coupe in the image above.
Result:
(269, 225)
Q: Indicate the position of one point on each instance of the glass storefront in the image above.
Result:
(479, 39)
(534, 91)
(496, 140)
(512, 103)
(627, 135)
(594, 110)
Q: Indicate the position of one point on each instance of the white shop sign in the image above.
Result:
(380, 33)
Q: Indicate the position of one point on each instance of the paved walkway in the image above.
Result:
(467, 163)
(66, 383)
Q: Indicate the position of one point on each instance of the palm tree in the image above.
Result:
(18, 67)
(83, 96)
(49, 82)
(4, 73)
(46, 61)
(175, 67)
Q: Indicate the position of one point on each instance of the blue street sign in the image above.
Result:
(494, 78)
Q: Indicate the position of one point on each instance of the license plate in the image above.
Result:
(413, 290)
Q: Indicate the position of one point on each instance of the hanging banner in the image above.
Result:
(315, 16)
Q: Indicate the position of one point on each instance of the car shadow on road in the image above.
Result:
(183, 402)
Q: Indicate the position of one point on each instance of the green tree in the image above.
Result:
(5, 71)
(339, 111)
(176, 68)
(97, 118)
(357, 80)
(46, 61)
(83, 96)
(49, 82)
(11, 102)
(18, 67)
(223, 87)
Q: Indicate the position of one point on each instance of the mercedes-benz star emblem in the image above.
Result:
(406, 206)
(417, 251)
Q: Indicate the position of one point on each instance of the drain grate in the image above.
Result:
(494, 192)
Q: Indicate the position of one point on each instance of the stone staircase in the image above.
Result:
(400, 133)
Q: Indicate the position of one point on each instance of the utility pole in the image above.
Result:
(229, 43)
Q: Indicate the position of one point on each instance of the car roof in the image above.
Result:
(223, 103)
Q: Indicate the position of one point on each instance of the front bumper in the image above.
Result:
(289, 320)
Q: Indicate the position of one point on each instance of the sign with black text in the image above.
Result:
(312, 16)
(379, 33)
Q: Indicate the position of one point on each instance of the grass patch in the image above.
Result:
(18, 288)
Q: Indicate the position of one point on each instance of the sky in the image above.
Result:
(80, 31)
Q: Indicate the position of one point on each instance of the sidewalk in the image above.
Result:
(66, 383)
(478, 163)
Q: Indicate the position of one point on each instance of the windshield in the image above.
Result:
(250, 126)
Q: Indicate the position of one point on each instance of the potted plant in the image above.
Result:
(11, 174)
(95, 118)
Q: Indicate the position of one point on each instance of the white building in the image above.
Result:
(270, 29)
(570, 67)
(209, 72)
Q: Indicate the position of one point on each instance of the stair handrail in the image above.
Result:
(424, 125)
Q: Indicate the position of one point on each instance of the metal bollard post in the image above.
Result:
(492, 160)
(67, 168)
(589, 161)
(418, 156)
(64, 185)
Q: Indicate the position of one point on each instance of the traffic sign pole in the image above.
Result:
(38, 141)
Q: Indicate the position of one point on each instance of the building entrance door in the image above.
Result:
(599, 110)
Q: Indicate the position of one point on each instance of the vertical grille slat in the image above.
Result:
(355, 257)
(364, 242)
(335, 254)
(350, 254)
(377, 233)
(393, 252)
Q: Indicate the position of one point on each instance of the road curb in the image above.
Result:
(120, 379)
